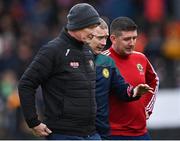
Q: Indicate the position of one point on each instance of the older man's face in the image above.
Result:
(99, 39)
(87, 34)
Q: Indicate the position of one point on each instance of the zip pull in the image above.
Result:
(67, 52)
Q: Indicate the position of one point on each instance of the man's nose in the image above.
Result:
(103, 42)
(132, 42)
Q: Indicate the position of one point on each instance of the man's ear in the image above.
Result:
(112, 38)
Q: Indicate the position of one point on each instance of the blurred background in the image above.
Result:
(25, 25)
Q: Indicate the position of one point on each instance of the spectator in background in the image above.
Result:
(24, 56)
(65, 70)
(7, 43)
(153, 51)
(9, 95)
(157, 14)
(171, 51)
(130, 122)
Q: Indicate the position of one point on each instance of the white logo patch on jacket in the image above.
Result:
(74, 64)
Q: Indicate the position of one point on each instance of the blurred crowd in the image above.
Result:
(25, 25)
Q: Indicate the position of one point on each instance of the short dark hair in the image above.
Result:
(122, 24)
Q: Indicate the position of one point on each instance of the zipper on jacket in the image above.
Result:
(89, 81)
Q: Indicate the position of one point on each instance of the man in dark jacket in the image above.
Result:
(65, 70)
(109, 79)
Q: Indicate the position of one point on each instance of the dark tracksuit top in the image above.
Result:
(108, 79)
(65, 70)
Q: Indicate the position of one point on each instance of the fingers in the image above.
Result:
(41, 130)
(142, 89)
(44, 133)
(150, 91)
(134, 95)
(48, 130)
(145, 86)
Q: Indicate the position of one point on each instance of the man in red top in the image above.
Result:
(128, 119)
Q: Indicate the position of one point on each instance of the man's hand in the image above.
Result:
(41, 130)
(141, 89)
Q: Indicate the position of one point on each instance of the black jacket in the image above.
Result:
(65, 70)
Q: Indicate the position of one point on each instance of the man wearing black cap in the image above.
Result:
(64, 68)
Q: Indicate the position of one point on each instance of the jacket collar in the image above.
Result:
(71, 40)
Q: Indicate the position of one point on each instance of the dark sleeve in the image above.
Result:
(37, 73)
(119, 87)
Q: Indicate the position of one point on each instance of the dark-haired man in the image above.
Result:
(128, 119)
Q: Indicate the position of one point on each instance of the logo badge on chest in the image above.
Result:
(105, 73)
(140, 69)
(74, 64)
